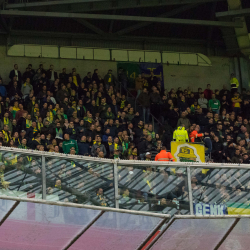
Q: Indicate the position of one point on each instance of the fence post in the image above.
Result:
(116, 184)
(43, 178)
(190, 194)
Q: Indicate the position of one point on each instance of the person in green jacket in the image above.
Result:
(214, 105)
(68, 144)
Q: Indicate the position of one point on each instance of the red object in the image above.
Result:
(193, 135)
(164, 156)
(208, 94)
(151, 239)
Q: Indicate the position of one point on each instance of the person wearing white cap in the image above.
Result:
(148, 156)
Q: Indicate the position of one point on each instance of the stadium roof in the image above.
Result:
(175, 21)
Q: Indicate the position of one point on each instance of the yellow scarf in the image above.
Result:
(97, 143)
(6, 121)
(36, 110)
(6, 136)
(16, 108)
(28, 123)
(75, 81)
(39, 126)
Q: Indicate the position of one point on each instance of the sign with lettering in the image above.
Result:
(188, 152)
(134, 69)
(207, 209)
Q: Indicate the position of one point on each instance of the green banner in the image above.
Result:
(132, 71)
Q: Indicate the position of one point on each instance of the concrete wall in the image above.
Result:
(174, 75)
(82, 66)
(197, 76)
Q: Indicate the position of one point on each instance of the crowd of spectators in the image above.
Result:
(91, 116)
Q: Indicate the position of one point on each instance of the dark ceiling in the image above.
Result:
(212, 36)
(202, 12)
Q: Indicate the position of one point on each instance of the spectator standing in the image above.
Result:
(202, 101)
(155, 99)
(26, 88)
(184, 121)
(214, 105)
(208, 92)
(15, 72)
(236, 101)
(234, 84)
(164, 155)
(152, 80)
(51, 74)
(180, 134)
(144, 100)
(68, 144)
(195, 134)
(109, 79)
(3, 91)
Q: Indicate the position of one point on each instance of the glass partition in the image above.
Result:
(238, 237)
(222, 189)
(161, 189)
(80, 181)
(202, 234)
(40, 226)
(124, 231)
(20, 175)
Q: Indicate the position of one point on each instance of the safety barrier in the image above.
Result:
(160, 187)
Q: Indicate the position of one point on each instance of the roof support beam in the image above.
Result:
(112, 23)
(234, 13)
(98, 5)
(120, 17)
(90, 26)
(109, 37)
(167, 14)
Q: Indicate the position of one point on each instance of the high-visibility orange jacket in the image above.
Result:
(194, 135)
(164, 156)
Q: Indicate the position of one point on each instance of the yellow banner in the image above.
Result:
(233, 210)
(188, 152)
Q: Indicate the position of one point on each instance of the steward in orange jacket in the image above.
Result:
(194, 134)
(164, 155)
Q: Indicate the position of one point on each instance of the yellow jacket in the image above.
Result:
(180, 134)
(234, 82)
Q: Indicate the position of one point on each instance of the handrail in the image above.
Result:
(138, 163)
(136, 101)
(68, 204)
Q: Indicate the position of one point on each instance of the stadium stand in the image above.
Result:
(97, 116)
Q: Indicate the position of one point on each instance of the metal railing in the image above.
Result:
(138, 107)
(160, 187)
